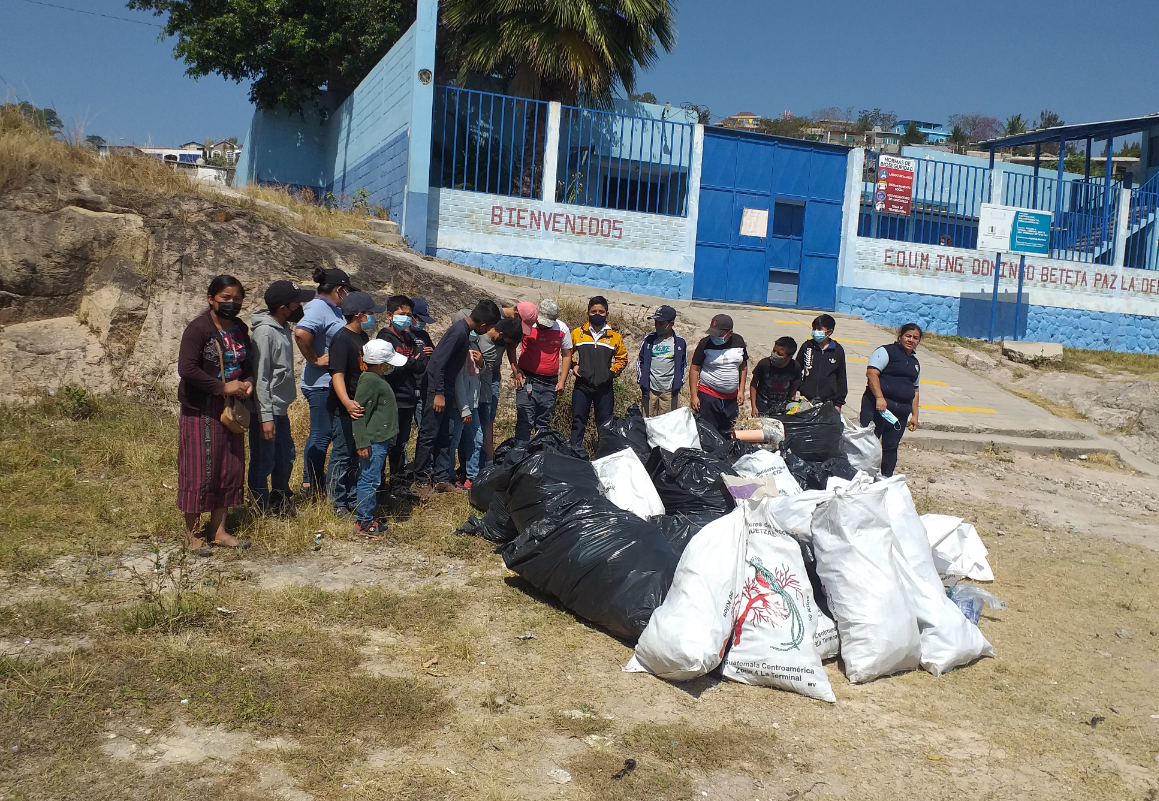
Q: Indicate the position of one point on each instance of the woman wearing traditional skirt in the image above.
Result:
(210, 457)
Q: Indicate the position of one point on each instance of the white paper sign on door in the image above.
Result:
(754, 222)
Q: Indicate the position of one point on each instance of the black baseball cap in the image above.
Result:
(360, 303)
(283, 293)
(336, 277)
(721, 324)
(421, 310)
(664, 314)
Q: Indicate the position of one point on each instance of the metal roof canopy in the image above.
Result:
(1086, 130)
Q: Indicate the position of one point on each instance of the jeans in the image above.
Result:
(534, 409)
(370, 473)
(478, 458)
(321, 432)
(397, 457)
(582, 401)
(342, 472)
(467, 439)
(434, 453)
(719, 414)
(889, 434)
(270, 457)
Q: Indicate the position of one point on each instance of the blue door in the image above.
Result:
(766, 231)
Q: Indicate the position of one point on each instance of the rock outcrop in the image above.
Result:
(97, 283)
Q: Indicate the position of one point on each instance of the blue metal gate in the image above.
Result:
(769, 225)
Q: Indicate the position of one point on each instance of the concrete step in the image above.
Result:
(960, 442)
(992, 431)
(383, 226)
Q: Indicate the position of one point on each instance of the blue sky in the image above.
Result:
(995, 57)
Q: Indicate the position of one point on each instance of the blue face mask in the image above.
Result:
(369, 323)
(418, 324)
(401, 321)
(819, 336)
(717, 340)
(474, 335)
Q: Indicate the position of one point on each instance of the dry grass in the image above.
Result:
(1057, 409)
(346, 680)
(26, 151)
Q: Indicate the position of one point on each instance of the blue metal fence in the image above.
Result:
(947, 199)
(1143, 227)
(617, 161)
(484, 142)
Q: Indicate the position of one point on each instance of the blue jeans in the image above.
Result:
(321, 432)
(368, 480)
(467, 440)
(270, 457)
(478, 458)
(342, 472)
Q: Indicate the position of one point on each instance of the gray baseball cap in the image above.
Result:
(548, 312)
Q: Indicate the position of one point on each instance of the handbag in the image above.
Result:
(235, 416)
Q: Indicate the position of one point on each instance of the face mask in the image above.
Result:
(717, 340)
(228, 309)
(419, 324)
(474, 336)
(368, 324)
(597, 320)
(296, 315)
(401, 321)
(819, 336)
(779, 361)
(663, 329)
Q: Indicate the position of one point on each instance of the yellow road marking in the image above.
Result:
(801, 322)
(960, 409)
(852, 341)
(855, 359)
(935, 383)
(791, 322)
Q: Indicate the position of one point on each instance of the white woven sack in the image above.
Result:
(949, 639)
(770, 467)
(773, 638)
(672, 430)
(686, 635)
(856, 562)
(861, 447)
(958, 550)
(626, 483)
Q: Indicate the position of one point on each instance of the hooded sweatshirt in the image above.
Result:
(273, 359)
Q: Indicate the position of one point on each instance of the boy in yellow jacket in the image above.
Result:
(599, 357)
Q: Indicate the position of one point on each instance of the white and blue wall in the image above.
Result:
(1077, 304)
(377, 140)
(650, 254)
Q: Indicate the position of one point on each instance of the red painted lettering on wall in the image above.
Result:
(617, 229)
(579, 225)
(496, 215)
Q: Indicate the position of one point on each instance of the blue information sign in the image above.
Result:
(1030, 232)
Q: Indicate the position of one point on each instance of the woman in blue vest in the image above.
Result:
(892, 395)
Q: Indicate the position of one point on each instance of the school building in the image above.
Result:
(641, 198)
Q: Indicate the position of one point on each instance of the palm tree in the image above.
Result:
(564, 50)
(1014, 126)
(959, 139)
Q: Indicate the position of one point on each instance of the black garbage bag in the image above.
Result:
(738, 448)
(678, 529)
(711, 442)
(493, 478)
(815, 475)
(628, 431)
(494, 526)
(814, 434)
(688, 481)
(602, 563)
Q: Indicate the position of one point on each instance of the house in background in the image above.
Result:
(835, 132)
(225, 148)
(884, 141)
(186, 154)
(934, 132)
(742, 120)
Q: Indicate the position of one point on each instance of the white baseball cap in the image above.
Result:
(378, 351)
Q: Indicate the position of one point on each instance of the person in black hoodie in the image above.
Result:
(403, 380)
(822, 363)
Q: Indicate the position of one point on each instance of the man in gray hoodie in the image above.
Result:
(271, 445)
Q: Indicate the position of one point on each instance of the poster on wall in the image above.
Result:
(893, 193)
(1014, 230)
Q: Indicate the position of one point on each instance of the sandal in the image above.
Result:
(203, 551)
(241, 544)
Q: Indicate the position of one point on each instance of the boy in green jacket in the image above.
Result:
(374, 431)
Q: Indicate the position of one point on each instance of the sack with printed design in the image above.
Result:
(772, 643)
